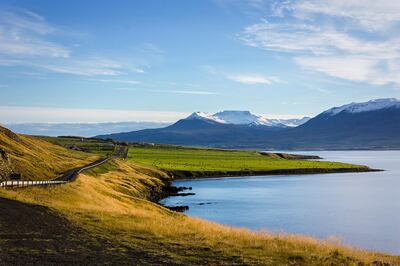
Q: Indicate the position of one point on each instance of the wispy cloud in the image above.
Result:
(244, 78)
(362, 69)
(3, 86)
(133, 82)
(253, 79)
(82, 67)
(33, 75)
(187, 92)
(88, 67)
(126, 89)
(26, 40)
(371, 15)
(23, 33)
(317, 88)
(312, 32)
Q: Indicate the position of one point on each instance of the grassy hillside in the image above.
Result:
(37, 159)
(186, 162)
(111, 205)
(107, 216)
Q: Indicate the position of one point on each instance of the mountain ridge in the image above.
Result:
(371, 125)
(237, 117)
(371, 105)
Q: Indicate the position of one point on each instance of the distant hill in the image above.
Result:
(369, 125)
(81, 129)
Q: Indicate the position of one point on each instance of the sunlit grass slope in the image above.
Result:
(112, 203)
(203, 162)
(36, 159)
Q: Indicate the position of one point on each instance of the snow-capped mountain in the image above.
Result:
(370, 125)
(246, 118)
(372, 105)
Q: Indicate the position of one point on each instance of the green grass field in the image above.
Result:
(203, 161)
(99, 147)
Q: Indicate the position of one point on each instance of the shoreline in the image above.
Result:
(188, 175)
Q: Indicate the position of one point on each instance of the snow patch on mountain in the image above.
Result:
(241, 118)
(372, 105)
(204, 116)
(294, 122)
(246, 118)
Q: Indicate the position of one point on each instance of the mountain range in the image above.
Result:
(246, 118)
(102, 128)
(369, 125)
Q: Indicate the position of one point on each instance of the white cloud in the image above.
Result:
(23, 34)
(28, 20)
(30, 47)
(252, 79)
(126, 89)
(361, 69)
(305, 38)
(89, 67)
(368, 14)
(133, 82)
(317, 88)
(245, 78)
(187, 92)
(138, 70)
(26, 40)
(317, 39)
(82, 67)
(18, 114)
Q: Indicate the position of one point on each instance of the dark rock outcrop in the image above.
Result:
(5, 166)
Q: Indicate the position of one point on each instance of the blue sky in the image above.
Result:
(88, 61)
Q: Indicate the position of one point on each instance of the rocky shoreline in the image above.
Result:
(183, 175)
(173, 191)
(290, 156)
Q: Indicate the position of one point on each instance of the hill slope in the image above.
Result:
(36, 159)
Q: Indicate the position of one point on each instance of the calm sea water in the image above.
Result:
(360, 209)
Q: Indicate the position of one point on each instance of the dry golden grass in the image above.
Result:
(36, 159)
(112, 203)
